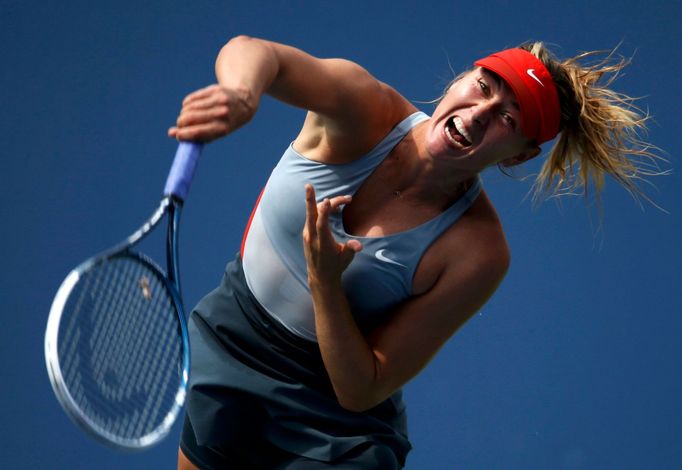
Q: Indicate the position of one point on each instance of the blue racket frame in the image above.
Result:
(176, 189)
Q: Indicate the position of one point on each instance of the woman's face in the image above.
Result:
(478, 124)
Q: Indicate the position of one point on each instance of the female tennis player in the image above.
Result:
(372, 241)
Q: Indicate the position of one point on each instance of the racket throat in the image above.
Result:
(173, 267)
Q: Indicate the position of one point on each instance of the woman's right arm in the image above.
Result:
(344, 99)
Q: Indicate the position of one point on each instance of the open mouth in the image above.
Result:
(455, 131)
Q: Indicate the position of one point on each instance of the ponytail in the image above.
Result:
(601, 131)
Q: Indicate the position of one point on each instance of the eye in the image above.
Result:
(509, 120)
(484, 87)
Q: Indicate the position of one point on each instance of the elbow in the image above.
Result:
(360, 400)
(238, 44)
(239, 39)
(356, 404)
(249, 43)
(365, 394)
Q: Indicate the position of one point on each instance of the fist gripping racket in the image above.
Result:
(116, 344)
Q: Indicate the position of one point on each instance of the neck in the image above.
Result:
(420, 178)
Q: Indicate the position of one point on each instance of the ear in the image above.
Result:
(522, 157)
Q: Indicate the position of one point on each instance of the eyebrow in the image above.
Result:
(498, 84)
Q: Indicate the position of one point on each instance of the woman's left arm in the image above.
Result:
(364, 371)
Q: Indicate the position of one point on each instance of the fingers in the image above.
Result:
(205, 116)
(200, 94)
(311, 213)
(338, 201)
(326, 240)
(213, 100)
(193, 117)
(325, 256)
(326, 207)
(317, 214)
(354, 245)
(203, 132)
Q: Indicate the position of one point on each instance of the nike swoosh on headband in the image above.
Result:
(531, 72)
(380, 256)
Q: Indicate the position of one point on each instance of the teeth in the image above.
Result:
(459, 125)
(451, 138)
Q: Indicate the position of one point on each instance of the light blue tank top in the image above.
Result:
(378, 278)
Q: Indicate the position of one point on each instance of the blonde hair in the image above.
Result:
(601, 130)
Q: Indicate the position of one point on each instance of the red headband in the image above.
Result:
(534, 89)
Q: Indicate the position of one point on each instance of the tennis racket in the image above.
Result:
(116, 344)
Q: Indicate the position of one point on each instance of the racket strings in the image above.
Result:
(118, 349)
(117, 343)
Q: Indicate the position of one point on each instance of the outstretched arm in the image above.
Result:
(347, 102)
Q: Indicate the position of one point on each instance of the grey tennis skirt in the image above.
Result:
(260, 396)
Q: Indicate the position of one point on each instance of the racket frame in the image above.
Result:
(172, 206)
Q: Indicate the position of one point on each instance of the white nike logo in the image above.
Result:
(380, 256)
(532, 75)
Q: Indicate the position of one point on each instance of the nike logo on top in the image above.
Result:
(531, 72)
(380, 256)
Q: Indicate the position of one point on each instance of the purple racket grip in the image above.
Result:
(182, 171)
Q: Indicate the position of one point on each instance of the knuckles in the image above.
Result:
(210, 113)
(222, 111)
(222, 97)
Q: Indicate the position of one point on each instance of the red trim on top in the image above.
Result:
(248, 224)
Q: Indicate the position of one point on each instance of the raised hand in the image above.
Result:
(213, 112)
(326, 258)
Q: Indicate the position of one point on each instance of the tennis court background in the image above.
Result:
(575, 363)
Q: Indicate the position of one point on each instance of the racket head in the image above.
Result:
(117, 349)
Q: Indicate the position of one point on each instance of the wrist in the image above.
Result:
(247, 97)
(325, 286)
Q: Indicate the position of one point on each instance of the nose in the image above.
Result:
(482, 112)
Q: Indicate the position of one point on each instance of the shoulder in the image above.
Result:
(479, 243)
(373, 109)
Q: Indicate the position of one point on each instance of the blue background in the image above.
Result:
(575, 363)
